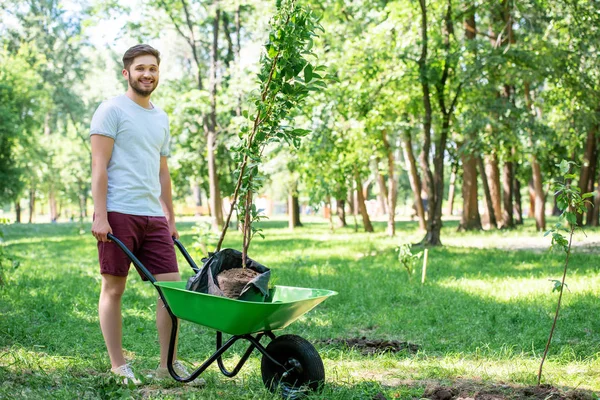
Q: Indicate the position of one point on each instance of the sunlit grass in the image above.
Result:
(483, 313)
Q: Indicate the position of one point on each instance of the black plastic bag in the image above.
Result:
(205, 281)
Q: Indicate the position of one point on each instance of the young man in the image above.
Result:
(131, 189)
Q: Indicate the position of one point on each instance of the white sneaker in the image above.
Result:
(125, 373)
(181, 370)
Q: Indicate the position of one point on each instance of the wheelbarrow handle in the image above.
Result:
(133, 258)
(186, 255)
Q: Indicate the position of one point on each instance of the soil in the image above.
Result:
(372, 346)
(477, 390)
(480, 391)
(232, 281)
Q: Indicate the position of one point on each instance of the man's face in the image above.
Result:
(143, 75)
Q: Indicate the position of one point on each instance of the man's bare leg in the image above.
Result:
(163, 322)
(109, 312)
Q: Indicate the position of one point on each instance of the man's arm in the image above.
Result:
(102, 147)
(166, 199)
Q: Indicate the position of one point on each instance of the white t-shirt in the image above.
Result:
(141, 137)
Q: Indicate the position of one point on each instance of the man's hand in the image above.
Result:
(173, 230)
(100, 229)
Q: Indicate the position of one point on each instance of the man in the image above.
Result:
(131, 189)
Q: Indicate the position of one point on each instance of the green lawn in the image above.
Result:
(482, 316)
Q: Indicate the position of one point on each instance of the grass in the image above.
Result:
(483, 314)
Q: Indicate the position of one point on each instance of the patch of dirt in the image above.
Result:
(480, 391)
(372, 346)
(232, 281)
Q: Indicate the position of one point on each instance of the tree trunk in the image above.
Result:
(538, 189)
(216, 206)
(414, 179)
(18, 211)
(52, 204)
(596, 205)
(518, 207)
(427, 118)
(493, 175)
(540, 200)
(238, 28)
(452, 190)
(590, 187)
(488, 196)
(31, 203)
(383, 192)
(507, 195)
(362, 208)
(392, 186)
(470, 217)
(340, 205)
(293, 211)
(531, 213)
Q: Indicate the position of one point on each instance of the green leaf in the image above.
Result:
(300, 132)
(564, 167)
(571, 217)
(587, 195)
(271, 51)
(308, 73)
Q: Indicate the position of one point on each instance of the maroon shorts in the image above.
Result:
(148, 238)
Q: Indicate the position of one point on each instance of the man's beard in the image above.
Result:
(142, 92)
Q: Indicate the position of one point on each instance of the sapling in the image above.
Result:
(286, 78)
(571, 202)
(407, 259)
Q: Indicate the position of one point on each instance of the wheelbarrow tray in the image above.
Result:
(236, 317)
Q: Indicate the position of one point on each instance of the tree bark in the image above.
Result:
(52, 204)
(414, 179)
(340, 205)
(538, 189)
(392, 186)
(383, 192)
(493, 175)
(471, 219)
(452, 190)
(216, 206)
(427, 118)
(596, 211)
(293, 211)
(487, 195)
(531, 213)
(507, 195)
(540, 198)
(18, 211)
(518, 207)
(588, 171)
(434, 221)
(362, 208)
(31, 203)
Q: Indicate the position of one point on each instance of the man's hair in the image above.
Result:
(139, 50)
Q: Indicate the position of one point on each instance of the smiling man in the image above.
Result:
(131, 189)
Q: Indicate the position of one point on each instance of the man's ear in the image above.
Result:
(125, 74)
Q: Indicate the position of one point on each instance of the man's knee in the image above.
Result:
(113, 286)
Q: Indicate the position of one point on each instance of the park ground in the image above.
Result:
(476, 328)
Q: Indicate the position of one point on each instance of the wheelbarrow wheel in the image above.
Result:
(303, 367)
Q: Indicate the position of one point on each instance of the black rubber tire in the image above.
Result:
(288, 350)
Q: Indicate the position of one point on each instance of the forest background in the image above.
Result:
(436, 103)
(453, 111)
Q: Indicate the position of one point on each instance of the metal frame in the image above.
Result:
(221, 348)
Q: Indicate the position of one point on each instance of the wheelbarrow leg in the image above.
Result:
(216, 356)
(231, 374)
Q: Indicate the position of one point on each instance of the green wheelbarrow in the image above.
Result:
(290, 364)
